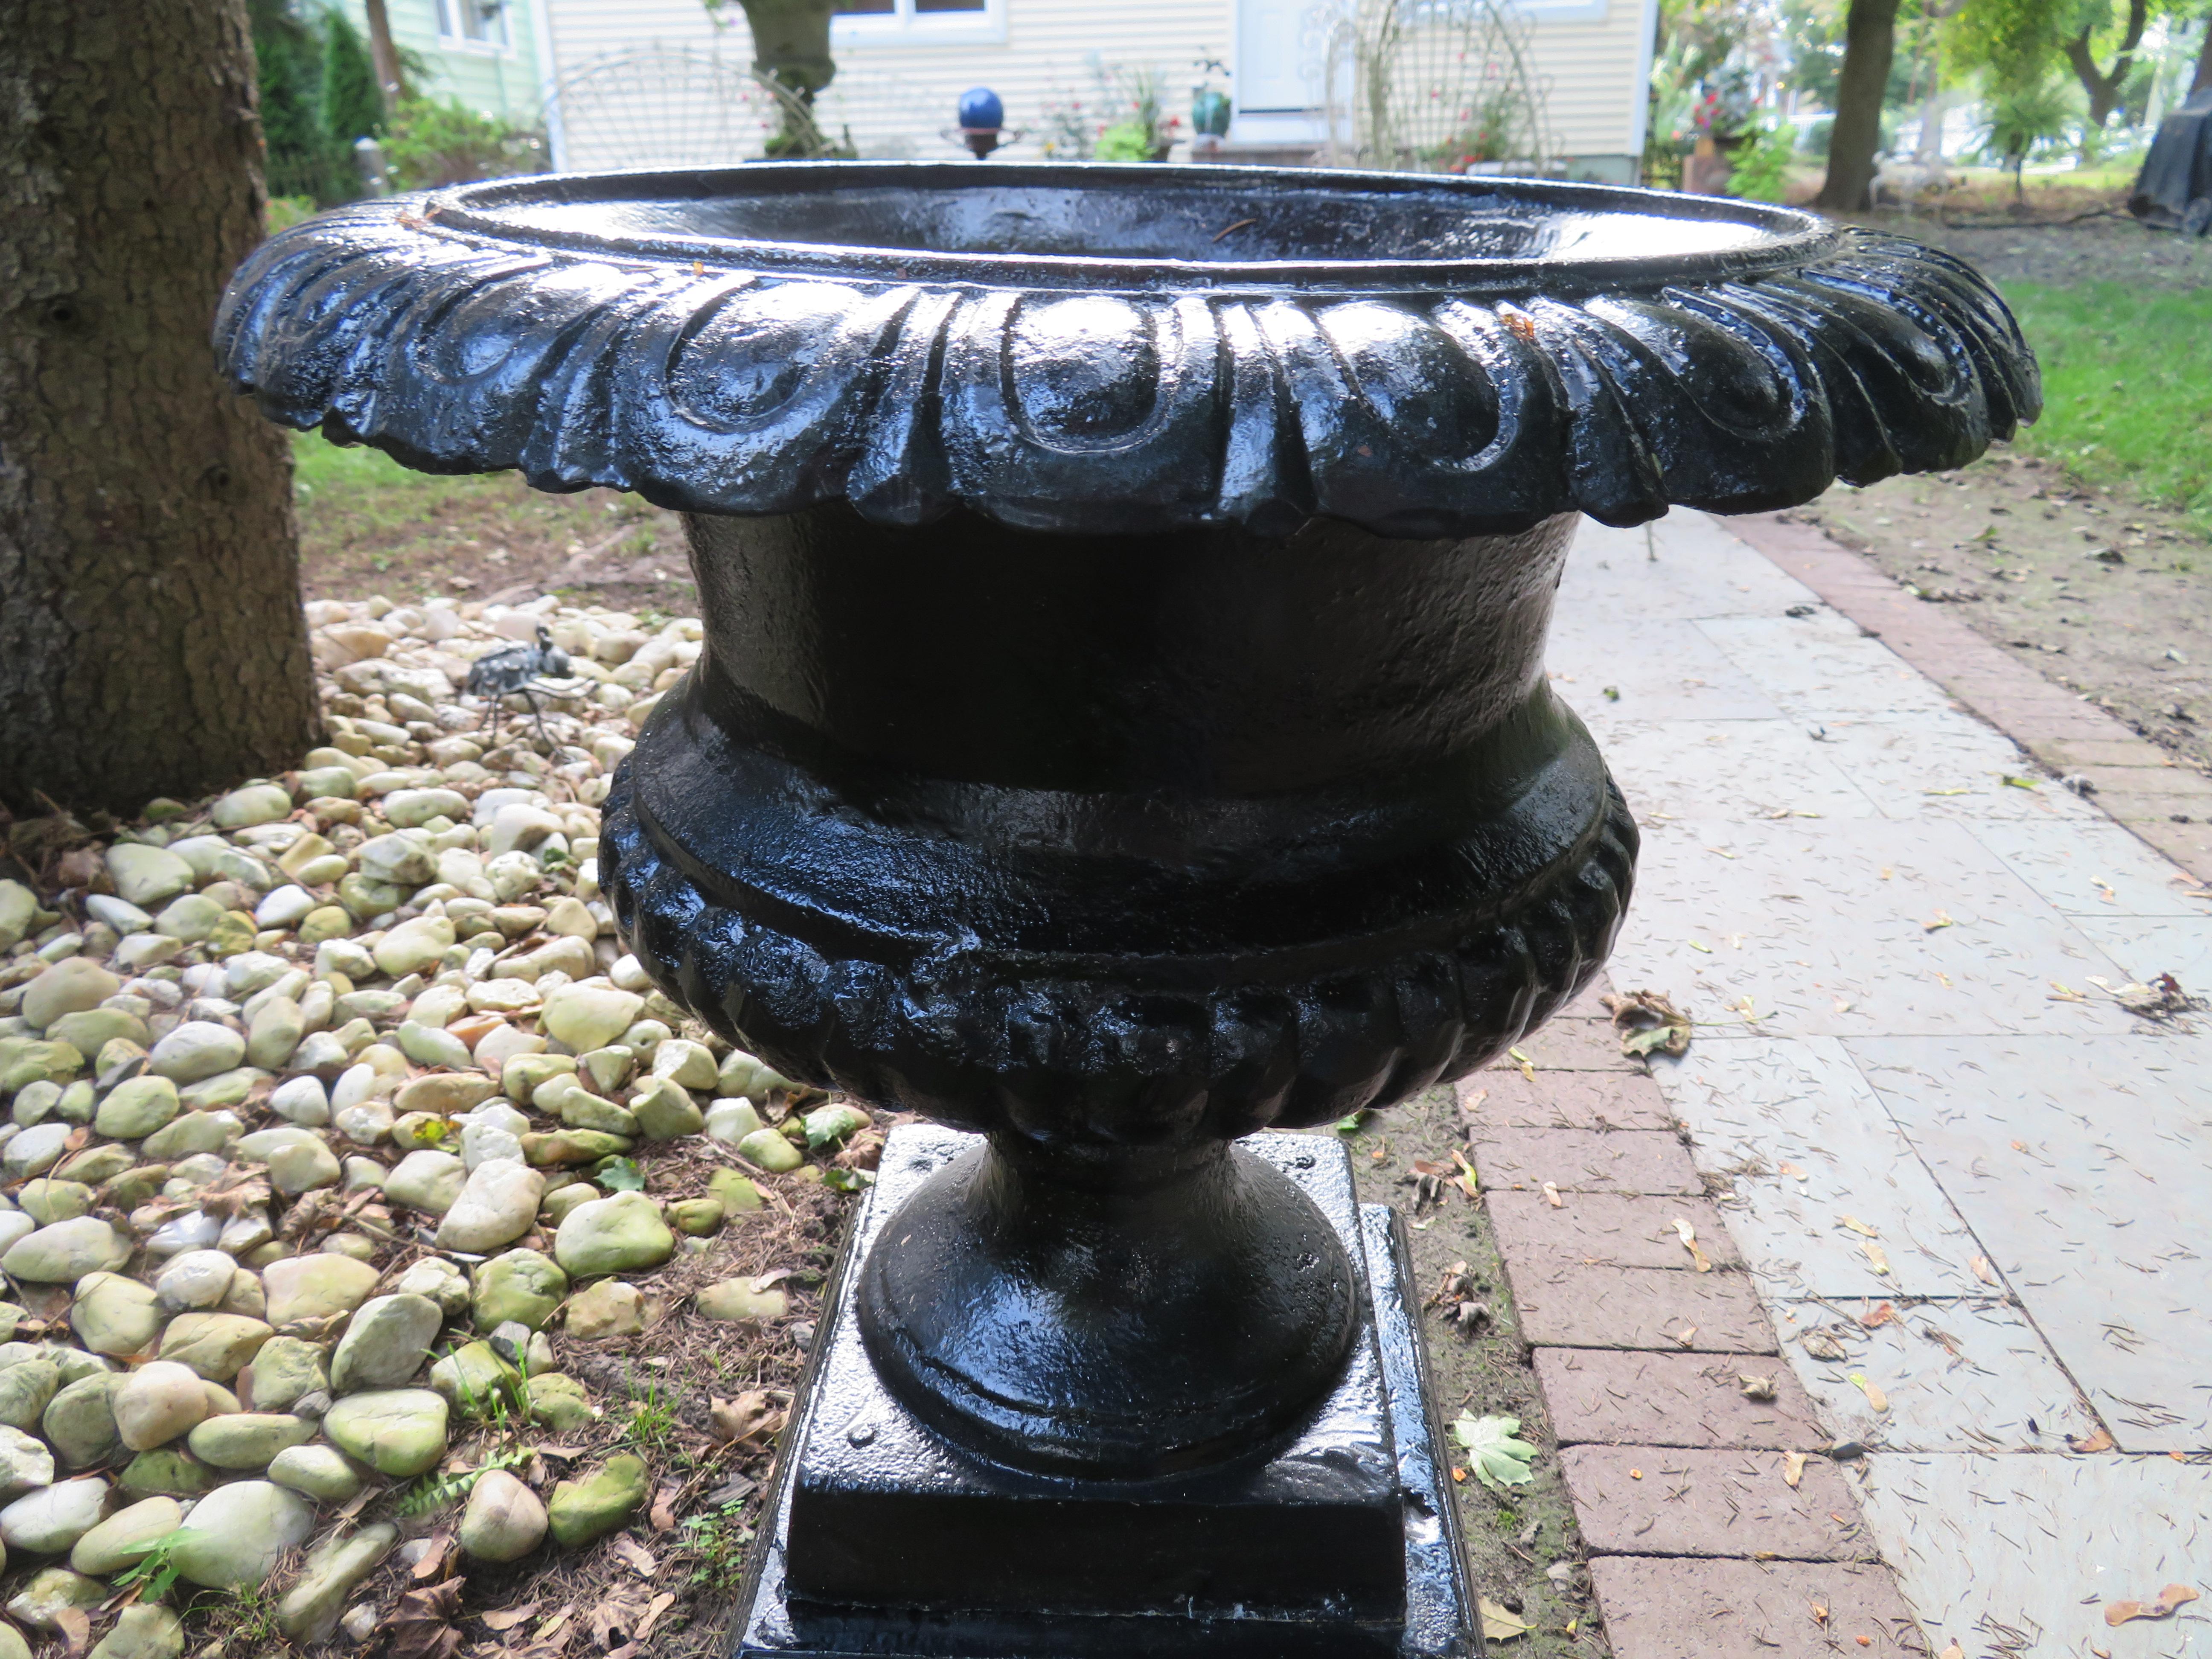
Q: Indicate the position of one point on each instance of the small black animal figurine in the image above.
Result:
(518, 670)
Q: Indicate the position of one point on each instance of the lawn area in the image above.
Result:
(2127, 383)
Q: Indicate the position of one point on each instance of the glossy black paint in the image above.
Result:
(1083, 350)
(887, 1537)
(1122, 727)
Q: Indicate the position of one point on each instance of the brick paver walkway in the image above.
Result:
(1951, 1198)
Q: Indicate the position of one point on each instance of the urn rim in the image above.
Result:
(1417, 399)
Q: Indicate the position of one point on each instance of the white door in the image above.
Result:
(1278, 68)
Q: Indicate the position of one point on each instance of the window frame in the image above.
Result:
(904, 25)
(447, 11)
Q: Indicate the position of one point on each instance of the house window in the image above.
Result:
(863, 20)
(478, 23)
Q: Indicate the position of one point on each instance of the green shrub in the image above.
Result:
(431, 142)
(1760, 169)
(352, 105)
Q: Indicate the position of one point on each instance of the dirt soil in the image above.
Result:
(2106, 596)
(2103, 593)
(1524, 1551)
(2110, 247)
(497, 539)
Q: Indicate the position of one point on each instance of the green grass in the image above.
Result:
(367, 481)
(2127, 387)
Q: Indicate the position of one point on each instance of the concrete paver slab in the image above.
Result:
(2147, 946)
(1821, 666)
(1661, 1608)
(1698, 570)
(2086, 1169)
(1611, 1396)
(2093, 868)
(1853, 928)
(1659, 669)
(2019, 1554)
(1655, 1500)
(1608, 1230)
(1571, 1306)
(1752, 1104)
(1765, 768)
(1953, 1373)
(1582, 1160)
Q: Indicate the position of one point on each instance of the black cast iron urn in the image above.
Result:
(1122, 730)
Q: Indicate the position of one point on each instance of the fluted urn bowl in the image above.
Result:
(1123, 724)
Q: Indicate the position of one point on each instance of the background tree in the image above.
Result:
(352, 104)
(791, 60)
(299, 158)
(1869, 45)
(151, 639)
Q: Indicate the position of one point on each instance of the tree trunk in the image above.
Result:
(1869, 39)
(2103, 87)
(391, 78)
(2203, 77)
(151, 639)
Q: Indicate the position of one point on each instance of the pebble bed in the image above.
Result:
(328, 1100)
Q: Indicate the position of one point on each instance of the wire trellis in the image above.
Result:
(1435, 85)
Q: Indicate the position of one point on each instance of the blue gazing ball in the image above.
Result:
(980, 108)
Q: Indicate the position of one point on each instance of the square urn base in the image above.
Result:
(882, 1537)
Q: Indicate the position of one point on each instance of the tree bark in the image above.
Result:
(1869, 41)
(2203, 77)
(391, 77)
(151, 638)
(2103, 87)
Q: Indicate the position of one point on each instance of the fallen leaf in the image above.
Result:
(1465, 1180)
(1983, 1271)
(2173, 1596)
(1636, 1475)
(75, 1628)
(1499, 1457)
(509, 1618)
(1761, 1389)
(614, 1618)
(659, 1605)
(1793, 1171)
(1459, 1474)
(2013, 782)
(2100, 1440)
(1688, 1235)
(1879, 1317)
(752, 1416)
(1819, 1612)
(640, 1558)
(1863, 1641)
(1551, 1195)
(1793, 1469)
(1499, 1624)
(1954, 1651)
(432, 1559)
(1699, 945)
(662, 1516)
(1650, 1023)
(1527, 1066)
(1877, 1258)
(1875, 1396)
(1684, 1338)
(421, 1625)
(1942, 920)
(1858, 1226)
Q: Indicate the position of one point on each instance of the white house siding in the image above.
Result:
(679, 95)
